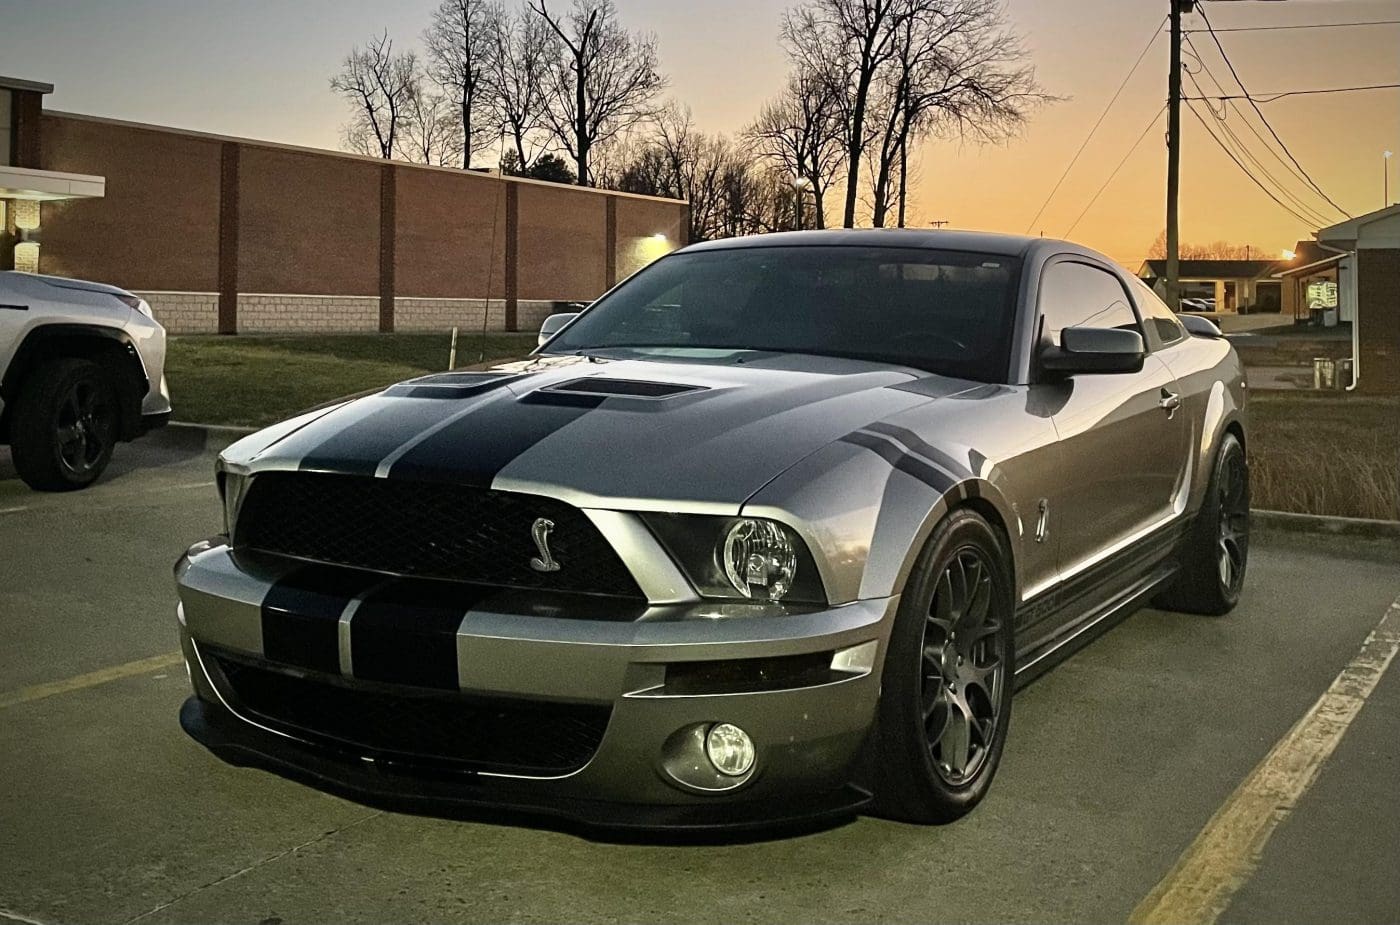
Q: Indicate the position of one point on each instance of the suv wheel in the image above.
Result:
(945, 699)
(65, 425)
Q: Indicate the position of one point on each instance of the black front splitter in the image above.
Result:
(480, 798)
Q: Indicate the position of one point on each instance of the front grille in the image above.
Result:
(428, 530)
(425, 728)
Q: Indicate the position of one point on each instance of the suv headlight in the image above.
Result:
(744, 558)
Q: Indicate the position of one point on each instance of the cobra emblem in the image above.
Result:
(541, 530)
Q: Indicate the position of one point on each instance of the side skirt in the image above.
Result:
(1046, 655)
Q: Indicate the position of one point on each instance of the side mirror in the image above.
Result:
(1094, 350)
(554, 324)
(1201, 327)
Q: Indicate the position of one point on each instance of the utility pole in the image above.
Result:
(1174, 155)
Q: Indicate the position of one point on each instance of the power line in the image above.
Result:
(1314, 25)
(1262, 118)
(1244, 169)
(1087, 138)
(1096, 196)
(1318, 217)
(1273, 96)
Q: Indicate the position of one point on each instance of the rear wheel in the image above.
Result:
(1216, 551)
(65, 425)
(945, 701)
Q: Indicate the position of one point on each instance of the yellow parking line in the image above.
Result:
(1226, 852)
(91, 679)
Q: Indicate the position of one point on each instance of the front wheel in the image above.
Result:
(945, 701)
(65, 425)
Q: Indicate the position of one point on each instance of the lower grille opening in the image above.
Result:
(418, 727)
(750, 675)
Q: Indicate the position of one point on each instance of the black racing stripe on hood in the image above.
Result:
(301, 615)
(902, 460)
(474, 448)
(359, 447)
(406, 632)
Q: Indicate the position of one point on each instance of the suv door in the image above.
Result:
(1123, 437)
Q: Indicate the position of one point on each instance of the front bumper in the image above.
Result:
(808, 731)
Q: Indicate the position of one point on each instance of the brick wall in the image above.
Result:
(306, 314)
(356, 243)
(185, 312)
(1378, 310)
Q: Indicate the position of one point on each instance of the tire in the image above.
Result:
(65, 425)
(930, 763)
(1215, 552)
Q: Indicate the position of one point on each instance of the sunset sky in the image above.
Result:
(259, 68)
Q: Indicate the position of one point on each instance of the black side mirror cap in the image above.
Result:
(1094, 350)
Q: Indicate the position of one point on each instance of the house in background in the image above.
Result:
(1311, 283)
(1234, 285)
(1368, 293)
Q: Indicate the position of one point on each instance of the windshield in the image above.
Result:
(946, 312)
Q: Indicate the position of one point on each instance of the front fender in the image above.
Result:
(865, 510)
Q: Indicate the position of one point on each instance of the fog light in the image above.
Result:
(729, 749)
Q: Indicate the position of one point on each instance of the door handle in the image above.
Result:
(1169, 403)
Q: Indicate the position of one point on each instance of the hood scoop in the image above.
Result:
(449, 385)
(623, 388)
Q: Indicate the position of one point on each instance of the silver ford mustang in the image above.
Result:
(771, 531)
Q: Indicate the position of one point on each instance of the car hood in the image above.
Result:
(630, 434)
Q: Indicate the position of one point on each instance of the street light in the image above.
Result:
(1385, 172)
(800, 185)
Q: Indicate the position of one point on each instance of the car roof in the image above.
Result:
(986, 242)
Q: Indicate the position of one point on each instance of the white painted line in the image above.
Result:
(12, 916)
(1226, 852)
(12, 510)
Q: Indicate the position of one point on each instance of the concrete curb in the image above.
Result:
(1288, 522)
(211, 437)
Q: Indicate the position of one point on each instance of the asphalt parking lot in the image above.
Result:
(1121, 762)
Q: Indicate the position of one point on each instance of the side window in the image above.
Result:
(1076, 294)
(1163, 327)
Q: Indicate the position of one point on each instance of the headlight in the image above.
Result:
(233, 488)
(136, 303)
(758, 559)
(743, 558)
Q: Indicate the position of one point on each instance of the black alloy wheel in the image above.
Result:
(964, 669)
(949, 670)
(66, 423)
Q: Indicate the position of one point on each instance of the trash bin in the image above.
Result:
(1324, 373)
(1343, 376)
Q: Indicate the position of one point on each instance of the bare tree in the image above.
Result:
(459, 42)
(377, 83)
(801, 133)
(430, 130)
(851, 41)
(606, 82)
(1216, 250)
(522, 53)
(958, 70)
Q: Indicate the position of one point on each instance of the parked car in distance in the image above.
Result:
(770, 531)
(81, 368)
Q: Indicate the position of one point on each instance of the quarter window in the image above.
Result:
(1079, 295)
(1163, 327)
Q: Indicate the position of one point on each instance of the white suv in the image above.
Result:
(82, 366)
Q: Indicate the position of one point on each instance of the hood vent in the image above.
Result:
(624, 388)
